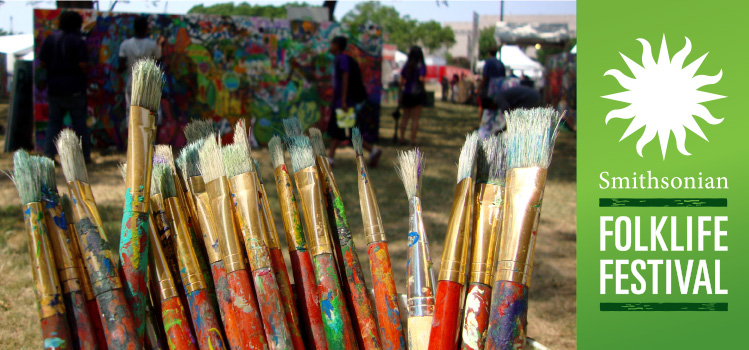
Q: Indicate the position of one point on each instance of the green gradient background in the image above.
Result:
(606, 28)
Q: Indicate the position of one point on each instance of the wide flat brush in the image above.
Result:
(49, 294)
(383, 283)
(198, 129)
(114, 310)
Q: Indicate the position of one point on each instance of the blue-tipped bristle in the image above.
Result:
(292, 126)
(530, 137)
(26, 177)
(300, 151)
(357, 141)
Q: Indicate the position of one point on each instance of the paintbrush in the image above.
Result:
(204, 317)
(446, 322)
(531, 136)
(148, 80)
(420, 287)
(347, 258)
(383, 283)
(292, 126)
(65, 258)
(339, 333)
(491, 169)
(301, 263)
(118, 320)
(49, 295)
(244, 300)
(198, 129)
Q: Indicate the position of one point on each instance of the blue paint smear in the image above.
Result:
(413, 237)
(50, 343)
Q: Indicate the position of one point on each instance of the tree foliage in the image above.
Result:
(245, 9)
(486, 42)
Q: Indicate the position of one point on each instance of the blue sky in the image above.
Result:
(22, 11)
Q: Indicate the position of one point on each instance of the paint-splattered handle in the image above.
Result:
(205, 320)
(176, 325)
(79, 321)
(223, 296)
(269, 300)
(386, 297)
(246, 310)
(444, 333)
(509, 316)
(134, 264)
(93, 314)
(364, 317)
(118, 322)
(339, 333)
(418, 332)
(476, 318)
(308, 303)
(287, 297)
(55, 332)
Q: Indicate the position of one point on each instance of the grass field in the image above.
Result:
(552, 312)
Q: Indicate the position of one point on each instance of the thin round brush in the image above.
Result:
(339, 331)
(349, 268)
(420, 277)
(310, 317)
(198, 129)
(451, 278)
(530, 142)
(114, 310)
(49, 294)
(491, 168)
(383, 283)
(65, 258)
(243, 294)
(204, 317)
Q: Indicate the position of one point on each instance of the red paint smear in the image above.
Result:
(250, 323)
(483, 294)
(118, 322)
(207, 327)
(444, 334)
(274, 319)
(97, 327)
(287, 298)
(386, 297)
(179, 333)
(365, 324)
(82, 327)
(136, 284)
(328, 286)
(308, 303)
(56, 326)
(223, 296)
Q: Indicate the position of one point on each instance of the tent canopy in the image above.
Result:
(16, 47)
(515, 59)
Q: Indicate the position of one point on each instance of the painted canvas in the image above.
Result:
(219, 68)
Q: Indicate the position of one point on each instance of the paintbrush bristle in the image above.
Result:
(531, 136)
(67, 208)
(498, 170)
(123, 170)
(300, 152)
(26, 177)
(240, 138)
(275, 147)
(148, 81)
(292, 126)
(211, 160)
(47, 175)
(357, 141)
(468, 156)
(71, 156)
(190, 159)
(165, 154)
(315, 137)
(410, 167)
(486, 155)
(198, 129)
(162, 181)
(236, 161)
(256, 164)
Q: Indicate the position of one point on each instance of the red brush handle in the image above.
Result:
(79, 321)
(93, 314)
(246, 310)
(476, 319)
(365, 322)
(509, 316)
(207, 326)
(223, 296)
(117, 320)
(309, 304)
(287, 298)
(339, 333)
(386, 297)
(176, 325)
(444, 334)
(269, 300)
(55, 332)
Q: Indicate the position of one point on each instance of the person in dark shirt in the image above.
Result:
(64, 59)
(414, 94)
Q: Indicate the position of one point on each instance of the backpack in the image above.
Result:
(357, 92)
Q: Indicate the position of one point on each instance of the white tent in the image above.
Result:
(435, 61)
(516, 61)
(400, 58)
(16, 47)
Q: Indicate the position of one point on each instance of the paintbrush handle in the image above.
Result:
(509, 316)
(205, 267)
(55, 332)
(365, 317)
(205, 321)
(339, 332)
(310, 317)
(134, 246)
(446, 322)
(79, 322)
(246, 310)
(476, 319)
(386, 296)
(223, 296)
(287, 297)
(176, 325)
(117, 320)
(418, 332)
(269, 300)
(92, 308)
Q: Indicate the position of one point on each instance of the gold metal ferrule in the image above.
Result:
(370, 210)
(142, 126)
(192, 277)
(292, 224)
(204, 217)
(83, 279)
(59, 236)
(221, 207)
(161, 274)
(420, 286)
(455, 253)
(46, 281)
(485, 216)
(244, 190)
(313, 206)
(522, 208)
(269, 226)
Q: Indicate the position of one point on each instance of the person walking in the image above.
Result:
(492, 78)
(64, 61)
(135, 48)
(414, 94)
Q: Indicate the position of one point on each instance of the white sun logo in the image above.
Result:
(663, 97)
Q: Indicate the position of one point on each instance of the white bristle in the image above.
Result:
(300, 152)
(410, 166)
(315, 137)
(275, 146)
(292, 126)
(468, 156)
(240, 137)
(26, 177)
(531, 136)
(357, 142)
(236, 161)
(211, 160)
(148, 82)
(198, 129)
(71, 156)
(165, 152)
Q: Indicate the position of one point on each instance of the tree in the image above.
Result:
(245, 9)
(486, 42)
(433, 35)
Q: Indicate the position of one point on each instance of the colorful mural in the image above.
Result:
(221, 68)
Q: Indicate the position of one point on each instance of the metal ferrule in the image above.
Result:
(269, 226)
(420, 286)
(455, 253)
(46, 281)
(292, 224)
(186, 204)
(142, 126)
(323, 167)
(485, 216)
(59, 236)
(84, 208)
(192, 277)
(205, 218)
(244, 192)
(370, 211)
(522, 207)
(223, 213)
(329, 189)
(161, 274)
(83, 279)
(315, 215)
